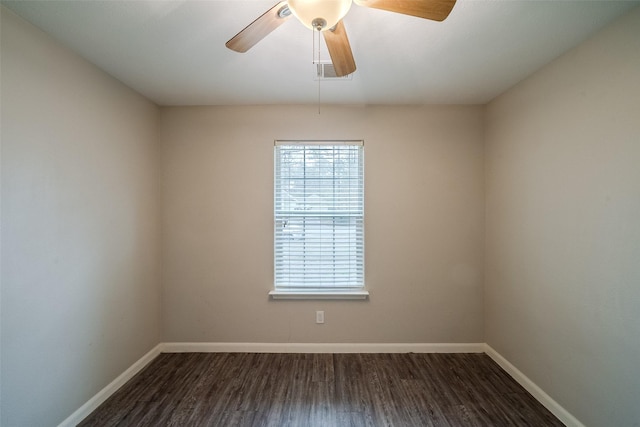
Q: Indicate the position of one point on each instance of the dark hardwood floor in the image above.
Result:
(251, 389)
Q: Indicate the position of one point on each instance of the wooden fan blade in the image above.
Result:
(260, 28)
(340, 50)
(436, 10)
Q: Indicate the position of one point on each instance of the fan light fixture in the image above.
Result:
(323, 15)
(319, 15)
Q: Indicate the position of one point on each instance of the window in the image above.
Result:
(319, 219)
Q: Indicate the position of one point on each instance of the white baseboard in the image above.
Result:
(111, 388)
(542, 397)
(222, 347)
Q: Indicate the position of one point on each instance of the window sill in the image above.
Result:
(343, 295)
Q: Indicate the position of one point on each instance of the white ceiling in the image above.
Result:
(173, 52)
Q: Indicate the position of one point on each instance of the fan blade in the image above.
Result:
(436, 10)
(260, 28)
(340, 50)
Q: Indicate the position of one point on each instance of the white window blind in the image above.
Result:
(319, 216)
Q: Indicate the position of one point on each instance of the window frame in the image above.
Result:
(331, 292)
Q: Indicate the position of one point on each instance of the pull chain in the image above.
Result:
(319, 64)
(313, 46)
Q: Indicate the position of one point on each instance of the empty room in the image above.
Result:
(320, 213)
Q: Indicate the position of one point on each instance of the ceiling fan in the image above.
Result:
(326, 16)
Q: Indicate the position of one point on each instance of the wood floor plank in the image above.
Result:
(250, 389)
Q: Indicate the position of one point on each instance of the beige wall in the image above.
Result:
(424, 225)
(80, 237)
(563, 227)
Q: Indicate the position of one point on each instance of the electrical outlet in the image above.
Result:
(319, 316)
